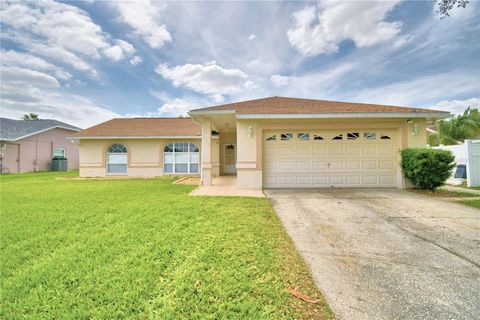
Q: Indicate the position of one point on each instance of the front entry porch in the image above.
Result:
(226, 186)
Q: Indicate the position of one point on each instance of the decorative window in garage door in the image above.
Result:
(181, 157)
(286, 136)
(384, 136)
(370, 135)
(338, 137)
(272, 137)
(353, 135)
(303, 136)
(317, 137)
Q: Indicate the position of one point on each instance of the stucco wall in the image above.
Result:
(249, 156)
(35, 152)
(145, 156)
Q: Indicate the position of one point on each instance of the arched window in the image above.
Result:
(181, 157)
(117, 159)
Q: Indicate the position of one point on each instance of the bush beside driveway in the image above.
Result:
(103, 249)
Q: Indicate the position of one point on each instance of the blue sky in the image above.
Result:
(86, 62)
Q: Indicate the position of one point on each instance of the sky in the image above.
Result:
(84, 62)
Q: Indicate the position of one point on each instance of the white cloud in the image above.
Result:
(20, 76)
(421, 91)
(252, 37)
(61, 32)
(115, 53)
(320, 29)
(136, 60)
(22, 59)
(279, 80)
(21, 95)
(127, 48)
(457, 106)
(172, 107)
(144, 18)
(209, 79)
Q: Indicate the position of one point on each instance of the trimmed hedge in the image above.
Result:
(428, 169)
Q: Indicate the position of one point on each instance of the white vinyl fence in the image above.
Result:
(467, 154)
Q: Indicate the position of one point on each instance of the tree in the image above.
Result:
(30, 116)
(461, 127)
(445, 6)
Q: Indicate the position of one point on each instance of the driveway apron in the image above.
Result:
(386, 253)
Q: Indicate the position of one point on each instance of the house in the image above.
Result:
(273, 142)
(30, 145)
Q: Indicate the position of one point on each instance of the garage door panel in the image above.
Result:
(303, 165)
(370, 165)
(320, 180)
(319, 151)
(303, 181)
(336, 165)
(353, 150)
(286, 165)
(353, 164)
(386, 180)
(385, 164)
(364, 160)
(289, 180)
(302, 151)
(353, 180)
(385, 150)
(370, 180)
(369, 150)
(319, 165)
(335, 150)
(336, 180)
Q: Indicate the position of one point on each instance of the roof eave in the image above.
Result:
(344, 115)
(40, 131)
(209, 112)
(134, 137)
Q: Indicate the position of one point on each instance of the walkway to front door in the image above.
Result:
(226, 186)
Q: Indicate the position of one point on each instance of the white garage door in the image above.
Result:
(333, 158)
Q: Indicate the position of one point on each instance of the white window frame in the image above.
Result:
(63, 149)
(117, 153)
(188, 163)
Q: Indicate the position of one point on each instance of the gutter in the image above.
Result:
(135, 137)
(345, 115)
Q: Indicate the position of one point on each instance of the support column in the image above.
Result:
(207, 153)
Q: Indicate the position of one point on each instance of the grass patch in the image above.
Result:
(443, 193)
(94, 249)
(472, 203)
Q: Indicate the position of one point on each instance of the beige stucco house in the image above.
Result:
(266, 143)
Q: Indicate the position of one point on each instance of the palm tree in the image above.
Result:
(457, 129)
(30, 116)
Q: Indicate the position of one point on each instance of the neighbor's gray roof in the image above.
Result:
(11, 130)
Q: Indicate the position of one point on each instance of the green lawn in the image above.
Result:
(472, 203)
(105, 249)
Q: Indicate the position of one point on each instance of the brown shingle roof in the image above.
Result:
(142, 127)
(283, 105)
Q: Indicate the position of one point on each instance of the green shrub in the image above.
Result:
(427, 168)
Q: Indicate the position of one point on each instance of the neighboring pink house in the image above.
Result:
(30, 145)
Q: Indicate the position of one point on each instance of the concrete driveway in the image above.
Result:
(386, 253)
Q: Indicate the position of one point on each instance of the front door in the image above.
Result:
(230, 159)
